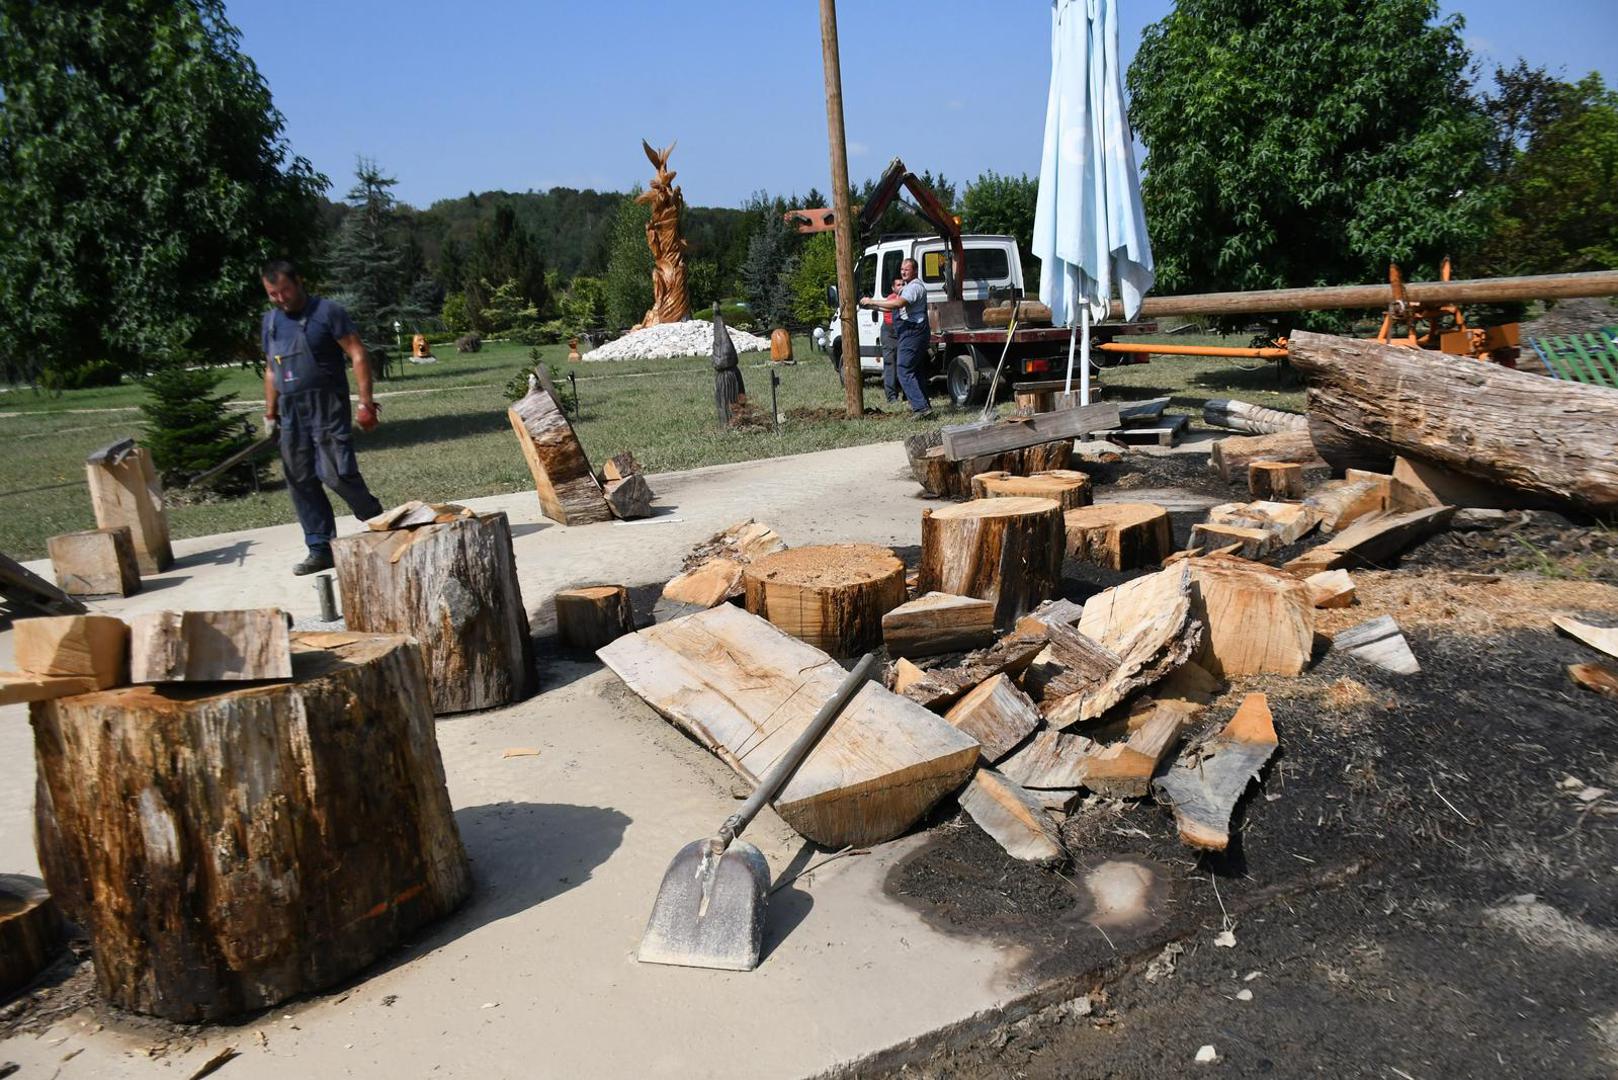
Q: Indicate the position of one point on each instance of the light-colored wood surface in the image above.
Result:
(1250, 543)
(832, 596)
(1286, 522)
(1013, 817)
(1330, 588)
(17, 687)
(129, 493)
(938, 623)
(1253, 419)
(620, 466)
(711, 583)
(589, 617)
(942, 478)
(1378, 642)
(1051, 759)
(1275, 480)
(210, 646)
(1602, 638)
(84, 645)
(568, 490)
(1340, 503)
(938, 688)
(1205, 785)
(1124, 769)
(1069, 487)
(1070, 663)
(1258, 619)
(95, 562)
(997, 714)
(1373, 540)
(1231, 457)
(1597, 678)
(1006, 551)
(1119, 536)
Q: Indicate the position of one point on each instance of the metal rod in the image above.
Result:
(775, 406)
(328, 602)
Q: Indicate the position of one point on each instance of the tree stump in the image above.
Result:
(128, 493)
(30, 931)
(95, 562)
(568, 490)
(832, 596)
(227, 851)
(945, 479)
(454, 588)
(1070, 489)
(1275, 480)
(1119, 536)
(589, 618)
(1007, 551)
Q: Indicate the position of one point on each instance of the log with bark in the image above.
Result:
(628, 498)
(1275, 480)
(126, 492)
(965, 441)
(1119, 536)
(1253, 419)
(210, 646)
(1069, 487)
(1231, 457)
(568, 490)
(832, 596)
(589, 617)
(1205, 785)
(30, 931)
(939, 687)
(1007, 551)
(938, 623)
(946, 479)
(228, 851)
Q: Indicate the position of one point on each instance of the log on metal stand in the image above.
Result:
(1007, 551)
(454, 588)
(568, 490)
(229, 850)
(831, 596)
(945, 479)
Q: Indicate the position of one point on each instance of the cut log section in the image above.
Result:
(95, 562)
(945, 479)
(832, 596)
(938, 688)
(1330, 588)
(1286, 522)
(1069, 487)
(938, 623)
(1340, 503)
(126, 493)
(30, 931)
(590, 617)
(710, 584)
(1373, 540)
(1013, 817)
(1601, 638)
(416, 513)
(629, 498)
(568, 490)
(85, 646)
(1258, 619)
(1119, 536)
(1051, 759)
(1597, 678)
(228, 851)
(1124, 770)
(965, 441)
(997, 714)
(1275, 480)
(745, 690)
(454, 588)
(1378, 642)
(1204, 786)
(1231, 457)
(1250, 543)
(1007, 551)
(1255, 419)
(210, 646)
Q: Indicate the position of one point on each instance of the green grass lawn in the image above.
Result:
(444, 433)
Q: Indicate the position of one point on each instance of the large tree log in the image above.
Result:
(1541, 436)
(945, 479)
(568, 489)
(832, 596)
(1006, 551)
(228, 851)
(454, 588)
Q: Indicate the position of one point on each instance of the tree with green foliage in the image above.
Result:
(189, 427)
(503, 250)
(366, 262)
(816, 269)
(768, 270)
(144, 177)
(1306, 143)
(1005, 205)
(629, 264)
(508, 309)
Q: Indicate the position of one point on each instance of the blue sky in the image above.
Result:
(517, 95)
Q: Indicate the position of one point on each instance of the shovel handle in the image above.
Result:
(772, 784)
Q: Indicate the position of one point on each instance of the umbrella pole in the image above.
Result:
(1072, 338)
(1084, 361)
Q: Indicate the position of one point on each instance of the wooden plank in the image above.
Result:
(24, 588)
(1373, 540)
(1602, 638)
(92, 646)
(745, 690)
(1378, 642)
(20, 686)
(994, 437)
(1137, 413)
(938, 623)
(1205, 785)
(1013, 817)
(997, 714)
(1051, 759)
(210, 646)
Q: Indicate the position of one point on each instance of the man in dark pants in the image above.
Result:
(910, 322)
(306, 342)
(890, 350)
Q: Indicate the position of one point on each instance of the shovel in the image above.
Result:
(709, 911)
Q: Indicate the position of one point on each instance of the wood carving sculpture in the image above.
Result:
(670, 304)
(727, 371)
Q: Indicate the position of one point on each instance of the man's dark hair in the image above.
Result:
(279, 268)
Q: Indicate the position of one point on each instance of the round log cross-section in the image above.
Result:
(1119, 536)
(229, 850)
(1007, 551)
(833, 596)
(30, 931)
(1068, 487)
(1275, 480)
(589, 618)
(453, 587)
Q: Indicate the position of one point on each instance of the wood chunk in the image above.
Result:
(416, 513)
(709, 584)
(1058, 612)
(1051, 759)
(94, 646)
(832, 595)
(1204, 786)
(1378, 642)
(942, 478)
(745, 690)
(1599, 678)
(905, 675)
(996, 436)
(1275, 480)
(1068, 487)
(1256, 419)
(1069, 664)
(127, 492)
(1418, 483)
(997, 714)
(1189, 682)
(1340, 503)
(590, 617)
(20, 686)
(742, 542)
(211, 646)
(568, 490)
(938, 688)
(620, 467)
(1250, 543)
(1007, 551)
(30, 931)
(1330, 588)
(1372, 540)
(1286, 522)
(1058, 800)
(1013, 817)
(1231, 457)
(1258, 619)
(1602, 638)
(1124, 770)
(95, 562)
(1379, 480)
(628, 498)
(938, 623)
(1119, 536)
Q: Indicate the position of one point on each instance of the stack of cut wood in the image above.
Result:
(625, 488)
(944, 479)
(415, 513)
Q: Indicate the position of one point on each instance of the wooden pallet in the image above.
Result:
(1585, 358)
(1166, 435)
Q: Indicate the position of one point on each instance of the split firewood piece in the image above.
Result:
(832, 595)
(1419, 483)
(1124, 769)
(1204, 786)
(1051, 759)
(83, 646)
(742, 542)
(1059, 612)
(997, 714)
(1007, 551)
(568, 490)
(1013, 817)
(1058, 800)
(209, 646)
(1378, 642)
(1186, 553)
(940, 687)
(620, 467)
(125, 490)
(1119, 536)
(745, 690)
(95, 562)
(1330, 588)
(1250, 543)
(1373, 539)
(1286, 522)
(1597, 677)
(1603, 638)
(1259, 620)
(1231, 457)
(588, 618)
(1069, 664)
(415, 513)
(1340, 503)
(905, 675)
(1275, 480)
(938, 623)
(629, 497)
(30, 931)
(20, 686)
(710, 584)
(1068, 487)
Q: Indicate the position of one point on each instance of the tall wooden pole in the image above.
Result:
(843, 207)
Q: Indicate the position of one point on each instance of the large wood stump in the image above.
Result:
(1278, 480)
(589, 618)
(30, 931)
(568, 489)
(229, 850)
(947, 479)
(831, 596)
(1119, 536)
(95, 562)
(454, 588)
(129, 493)
(1070, 488)
(1007, 551)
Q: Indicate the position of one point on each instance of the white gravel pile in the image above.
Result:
(693, 337)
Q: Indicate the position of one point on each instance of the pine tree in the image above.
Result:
(366, 260)
(189, 427)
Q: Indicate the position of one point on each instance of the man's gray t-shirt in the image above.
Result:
(914, 294)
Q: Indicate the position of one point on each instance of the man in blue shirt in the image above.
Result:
(909, 309)
(307, 342)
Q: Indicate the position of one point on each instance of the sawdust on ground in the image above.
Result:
(1469, 604)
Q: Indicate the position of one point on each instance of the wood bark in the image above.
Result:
(1118, 536)
(938, 623)
(1544, 437)
(1259, 619)
(1253, 419)
(229, 851)
(1070, 488)
(1204, 787)
(454, 588)
(945, 479)
(939, 687)
(1231, 457)
(209, 646)
(590, 617)
(1013, 817)
(628, 498)
(568, 491)
(620, 467)
(997, 714)
(93, 646)
(1277, 480)
(129, 494)
(745, 690)
(95, 562)
(832, 596)
(30, 931)
(1007, 551)
(1070, 663)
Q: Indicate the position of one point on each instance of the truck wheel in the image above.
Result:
(837, 358)
(961, 376)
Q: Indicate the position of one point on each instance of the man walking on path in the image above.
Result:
(910, 323)
(306, 340)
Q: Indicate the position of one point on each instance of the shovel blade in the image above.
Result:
(709, 912)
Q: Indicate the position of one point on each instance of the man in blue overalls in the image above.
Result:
(306, 340)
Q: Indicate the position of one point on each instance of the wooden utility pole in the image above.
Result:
(843, 208)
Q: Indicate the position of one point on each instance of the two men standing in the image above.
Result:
(909, 308)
